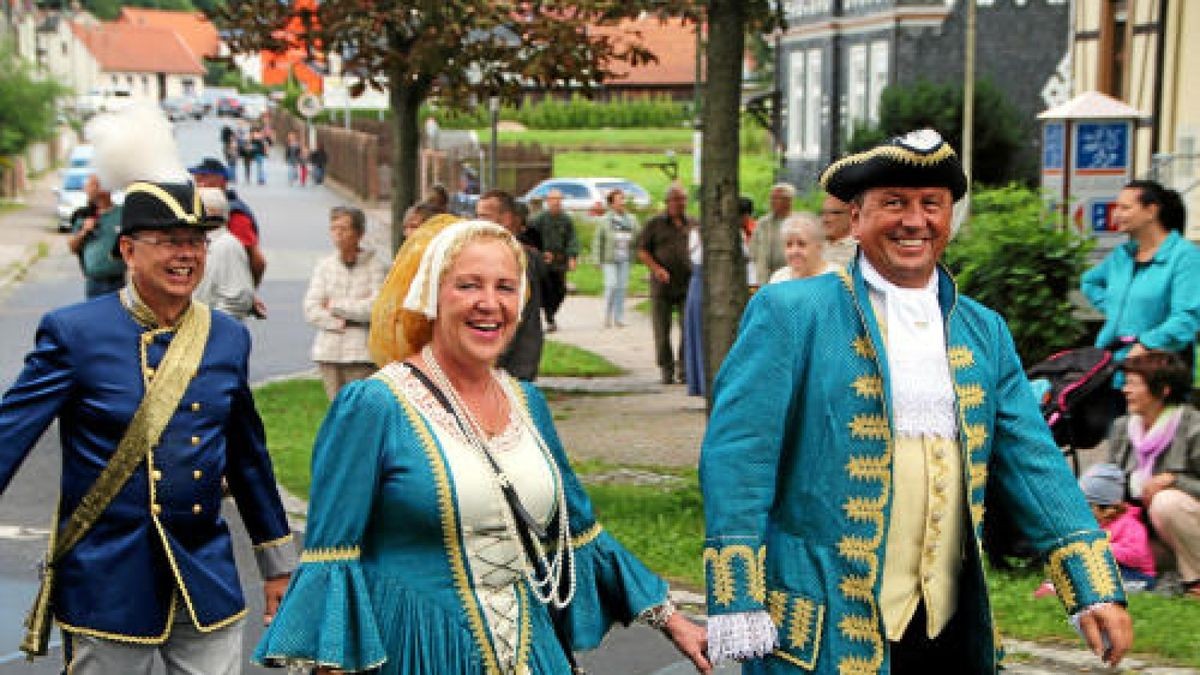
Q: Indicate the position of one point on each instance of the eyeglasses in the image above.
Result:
(178, 242)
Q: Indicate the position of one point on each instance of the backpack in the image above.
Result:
(1076, 405)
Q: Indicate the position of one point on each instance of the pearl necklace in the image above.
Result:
(548, 589)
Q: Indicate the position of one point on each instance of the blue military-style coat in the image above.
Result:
(163, 531)
(796, 472)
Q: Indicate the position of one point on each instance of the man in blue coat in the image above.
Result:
(857, 423)
(148, 369)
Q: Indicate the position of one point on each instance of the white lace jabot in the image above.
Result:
(921, 388)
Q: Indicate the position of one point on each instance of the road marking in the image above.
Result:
(22, 533)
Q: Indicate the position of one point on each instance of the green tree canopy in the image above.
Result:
(999, 132)
(27, 104)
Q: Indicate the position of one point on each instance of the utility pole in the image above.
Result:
(968, 140)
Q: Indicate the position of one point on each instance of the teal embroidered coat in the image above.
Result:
(796, 475)
(384, 579)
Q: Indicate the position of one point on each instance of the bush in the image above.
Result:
(27, 103)
(999, 132)
(1013, 257)
(576, 112)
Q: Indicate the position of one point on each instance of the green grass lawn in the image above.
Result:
(664, 526)
(564, 360)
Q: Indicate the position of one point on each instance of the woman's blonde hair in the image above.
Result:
(399, 329)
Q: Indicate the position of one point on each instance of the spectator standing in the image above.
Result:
(210, 172)
(560, 251)
(803, 245)
(338, 302)
(227, 284)
(522, 357)
(293, 156)
(260, 144)
(766, 244)
(94, 238)
(318, 159)
(229, 149)
(840, 244)
(613, 247)
(663, 248)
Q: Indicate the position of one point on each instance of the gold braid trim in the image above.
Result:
(128, 639)
(870, 468)
(970, 396)
(863, 347)
(330, 554)
(895, 152)
(979, 475)
(977, 436)
(868, 386)
(800, 634)
(721, 574)
(844, 275)
(587, 536)
(869, 426)
(285, 539)
(960, 357)
(777, 607)
(1095, 563)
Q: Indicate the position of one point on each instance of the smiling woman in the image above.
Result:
(441, 491)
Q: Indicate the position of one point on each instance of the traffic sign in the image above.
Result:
(309, 105)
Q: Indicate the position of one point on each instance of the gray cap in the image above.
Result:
(1103, 484)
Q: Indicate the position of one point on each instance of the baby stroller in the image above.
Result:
(1075, 394)
(1074, 391)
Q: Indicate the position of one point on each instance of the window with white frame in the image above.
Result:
(812, 105)
(879, 79)
(856, 87)
(796, 90)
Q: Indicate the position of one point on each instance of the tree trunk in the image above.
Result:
(405, 98)
(725, 291)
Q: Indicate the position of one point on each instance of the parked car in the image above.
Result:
(180, 108)
(587, 195)
(80, 156)
(71, 195)
(230, 106)
(210, 96)
(253, 105)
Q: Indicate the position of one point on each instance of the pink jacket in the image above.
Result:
(1131, 541)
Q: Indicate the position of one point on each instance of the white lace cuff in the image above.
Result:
(741, 636)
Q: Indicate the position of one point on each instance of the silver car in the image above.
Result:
(71, 195)
(587, 195)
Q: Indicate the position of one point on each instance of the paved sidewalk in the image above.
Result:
(29, 231)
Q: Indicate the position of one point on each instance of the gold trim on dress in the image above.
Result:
(719, 565)
(330, 554)
(587, 536)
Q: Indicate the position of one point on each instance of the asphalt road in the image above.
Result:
(294, 233)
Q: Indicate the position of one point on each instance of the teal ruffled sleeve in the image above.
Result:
(611, 584)
(326, 616)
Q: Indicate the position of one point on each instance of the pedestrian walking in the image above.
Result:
(455, 534)
(766, 243)
(156, 420)
(338, 301)
(858, 423)
(94, 232)
(318, 158)
(293, 156)
(560, 251)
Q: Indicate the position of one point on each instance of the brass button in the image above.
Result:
(195, 407)
(195, 440)
(196, 509)
(197, 474)
(157, 474)
(155, 509)
(149, 372)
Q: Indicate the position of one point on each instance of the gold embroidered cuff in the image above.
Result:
(736, 578)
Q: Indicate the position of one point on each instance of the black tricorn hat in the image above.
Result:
(210, 166)
(916, 159)
(158, 206)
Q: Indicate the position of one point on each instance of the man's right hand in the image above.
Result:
(661, 275)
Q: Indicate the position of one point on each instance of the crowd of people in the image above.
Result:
(863, 415)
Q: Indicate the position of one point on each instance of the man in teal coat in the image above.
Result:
(858, 422)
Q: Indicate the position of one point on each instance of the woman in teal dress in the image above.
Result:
(416, 560)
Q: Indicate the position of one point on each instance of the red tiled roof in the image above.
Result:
(197, 31)
(673, 42)
(123, 47)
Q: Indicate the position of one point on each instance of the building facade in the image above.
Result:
(837, 56)
(1136, 51)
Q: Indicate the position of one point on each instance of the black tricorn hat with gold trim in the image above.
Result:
(916, 159)
(160, 206)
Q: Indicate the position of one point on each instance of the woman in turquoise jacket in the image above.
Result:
(447, 534)
(1149, 287)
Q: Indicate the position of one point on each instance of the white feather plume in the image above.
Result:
(134, 144)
